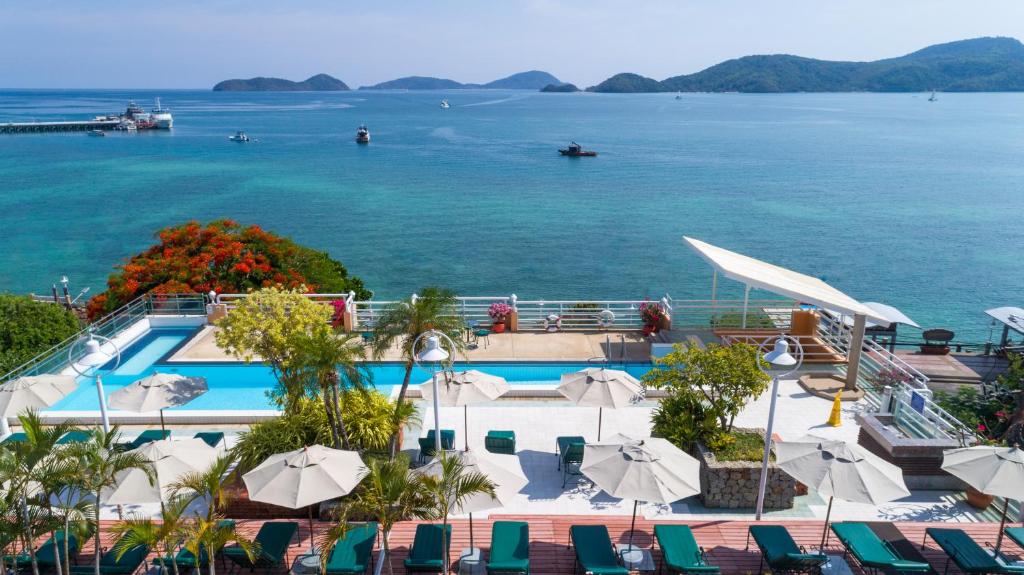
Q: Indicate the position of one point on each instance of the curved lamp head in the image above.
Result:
(432, 352)
(780, 356)
(94, 356)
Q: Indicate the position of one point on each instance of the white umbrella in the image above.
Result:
(503, 470)
(995, 471)
(305, 477)
(650, 469)
(34, 392)
(158, 392)
(170, 460)
(464, 388)
(839, 469)
(599, 387)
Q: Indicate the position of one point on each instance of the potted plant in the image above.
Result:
(652, 314)
(499, 311)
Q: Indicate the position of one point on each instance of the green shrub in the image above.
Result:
(738, 446)
(28, 328)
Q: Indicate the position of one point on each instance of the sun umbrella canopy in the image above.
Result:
(503, 470)
(34, 392)
(650, 469)
(170, 460)
(839, 469)
(600, 387)
(305, 476)
(465, 388)
(995, 471)
(158, 391)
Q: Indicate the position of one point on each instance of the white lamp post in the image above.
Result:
(92, 360)
(434, 354)
(781, 364)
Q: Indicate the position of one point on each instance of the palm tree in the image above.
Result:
(389, 494)
(402, 322)
(333, 363)
(212, 534)
(210, 485)
(101, 466)
(452, 487)
(10, 530)
(162, 536)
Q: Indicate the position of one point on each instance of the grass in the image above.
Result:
(740, 446)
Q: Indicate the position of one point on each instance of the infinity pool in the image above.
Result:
(237, 386)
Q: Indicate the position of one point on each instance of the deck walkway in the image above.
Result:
(946, 371)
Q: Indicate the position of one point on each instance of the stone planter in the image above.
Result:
(734, 484)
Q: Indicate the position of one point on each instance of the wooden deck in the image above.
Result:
(724, 540)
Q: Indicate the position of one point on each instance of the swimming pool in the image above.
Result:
(238, 386)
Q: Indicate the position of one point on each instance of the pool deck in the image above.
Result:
(946, 371)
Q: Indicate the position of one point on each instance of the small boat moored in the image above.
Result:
(362, 135)
(445, 105)
(576, 151)
(240, 136)
(97, 133)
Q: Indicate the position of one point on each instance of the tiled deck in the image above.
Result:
(953, 368)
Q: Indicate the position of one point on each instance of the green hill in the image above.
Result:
(416, 83)
(320, 82)
(560, 88)
(628, 83)
(532, 80)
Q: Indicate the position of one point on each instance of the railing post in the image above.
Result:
(886, 403)
(856, 347)
(513, 316)
(666, 323)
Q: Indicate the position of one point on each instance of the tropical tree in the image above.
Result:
(404, 321)
(453, 486)
(162, 536)
(333, 364)
(389, 494)
(29, 327)
(212, 534)
(210, 485)
(10, 526)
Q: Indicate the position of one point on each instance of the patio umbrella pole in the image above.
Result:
(1002, 525)
(312, 540)
(632, 526)
(162, 428)
(471, 546)
(824, 534)
(600, 413)
(465, 431)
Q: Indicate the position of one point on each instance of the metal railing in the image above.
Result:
(56, 358)
(229, 299)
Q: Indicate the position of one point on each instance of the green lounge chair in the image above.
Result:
(273, 539)
(503, 442)
(212, 438)
(75, 436)
(872, 552)
(425, 556)
(45, 552)
(781, 553)
(594, 552)
(145, 437)
(680, 552)
(510, 548)
(18, 437)
(967, 554)
(1016, 534)
(186, 559)
(354, 553)
(427, 443)
(110, 565)
(570, 455)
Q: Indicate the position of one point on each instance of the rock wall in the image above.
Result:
(734, 484)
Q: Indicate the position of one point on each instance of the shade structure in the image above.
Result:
(170, 460)
(504, 471)
(34, 392)
(465, 388)
(599, 387)
(997, 471)
(839, 469)
(157, 392)
(305, 477)
(649, 469)
(893, 315)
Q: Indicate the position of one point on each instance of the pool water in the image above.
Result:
(238, 386)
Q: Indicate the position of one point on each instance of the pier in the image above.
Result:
(73, 126)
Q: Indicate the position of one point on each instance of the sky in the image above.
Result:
(196, 43)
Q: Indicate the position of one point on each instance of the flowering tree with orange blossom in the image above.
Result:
(225, 257)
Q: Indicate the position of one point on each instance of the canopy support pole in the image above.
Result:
(714, 287)
(856, 347)
(746, 301)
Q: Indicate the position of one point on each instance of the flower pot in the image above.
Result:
(498, 327)
(650, 330)
(978, 500)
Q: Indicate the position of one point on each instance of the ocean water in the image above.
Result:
(887, 196)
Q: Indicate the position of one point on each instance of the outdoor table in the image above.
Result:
(470, 561)
(306, 564)
(635, 558)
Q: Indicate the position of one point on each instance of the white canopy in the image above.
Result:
(1009, 316)
(895, 316)
(788, 283)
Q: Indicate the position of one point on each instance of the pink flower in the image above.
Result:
(1001, 414)
(981, 427)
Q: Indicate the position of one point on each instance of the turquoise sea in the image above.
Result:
(887, 196)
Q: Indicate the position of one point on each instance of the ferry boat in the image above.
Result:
(240, 136)
(445, 105)
(143, 119)
(162, 118)
(126, 125)
(576, 151)
(97, 133)
(362, 135)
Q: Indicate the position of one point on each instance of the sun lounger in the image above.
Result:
(273, 539)
(679, 550)
(75, 436)
(1016, 534)
(967, 554)
(427, 443)
(594, 552)
(186, 559)
(212, 438)
(45, 552)
(503, 442)
(354, 553)
(18, 437)
(872, 552)
(510, 548)
(425, 556)
(110, 564)
(781, 553)
(570, 455)
(145, 437)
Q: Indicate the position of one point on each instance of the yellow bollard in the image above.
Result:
(835, 418)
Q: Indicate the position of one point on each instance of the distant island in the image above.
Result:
(532, 80)
(560, 88)
(977, 65)
(318, 83)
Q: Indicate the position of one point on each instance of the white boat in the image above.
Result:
(97, 133)
(126, 125)
(679, 95)
(932, 98)
(362, 135)
(239, 136)
(445, 105)
(161, 117)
